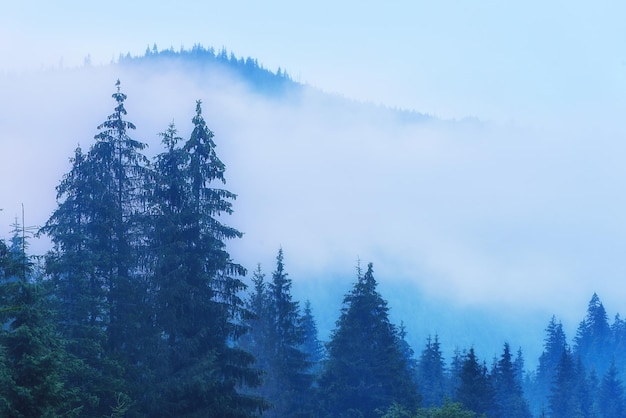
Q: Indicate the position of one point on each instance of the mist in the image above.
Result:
(479, 231)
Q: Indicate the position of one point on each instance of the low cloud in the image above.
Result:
(476, 214)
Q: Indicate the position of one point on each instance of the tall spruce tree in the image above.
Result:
(120, 168)
(508, 388)
(593, 341)
(365, 371)
(611, 402)
(555, 342)
(80, 295)
(431, 373)
(288, 378)
(96, 264)
(475, 391)
(565, 400)
(199, 310)
(311, 346)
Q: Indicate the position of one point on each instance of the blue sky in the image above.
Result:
(533, 201)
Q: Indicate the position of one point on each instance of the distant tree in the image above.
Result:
(456, 366)
(475, 391)
(508, 390)
(311, 345)
(518, 366)
(569, 396)
(431, 373)
(407, 352)
(618, 333)
(611, 402)
(365, 371)
(289, 377)
(259, 323)
(555, 343)
(593, 337)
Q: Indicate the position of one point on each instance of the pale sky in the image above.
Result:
(494, 59)
(535, 200)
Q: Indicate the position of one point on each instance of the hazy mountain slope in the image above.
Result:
(328, 179)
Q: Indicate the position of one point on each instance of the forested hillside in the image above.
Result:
(139, 310)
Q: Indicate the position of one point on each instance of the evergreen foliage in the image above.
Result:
(277, 340)
(611, 401)
(311, 346)
(509, 397)
(365, 370)
(140, 311)
(431, 371)
(475, 391)
(35, 366)
(593, 337)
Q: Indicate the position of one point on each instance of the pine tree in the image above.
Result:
(199, 311)
(311, 346)
(79, 289)
(431, 373)
(97, 263)
(569, 396)
(508, 390)
(121, 174)
(288, 378)
(365, 370)
(554, 344)
(475, 391)
(611, 402)
(593, 337)
(259, 323)
(33, 358)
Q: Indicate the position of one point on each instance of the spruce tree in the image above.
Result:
(508, 389)
(365, 371)
(593, 338)
(288, 377)
(35, 368)
(475, 391)
(554, 343)
(97, 262)
(311, 346)
(199, 311)
(431, 373)
(611, 401)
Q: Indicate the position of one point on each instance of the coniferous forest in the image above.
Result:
(138, 310)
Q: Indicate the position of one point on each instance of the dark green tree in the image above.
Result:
(431, 372)
(311, 346)
(120, 171)
(611, 402)
(288, 378)
(97, 263)
(365, 371)
(593, 341)
(475, 391)
(259, 322)
(79, 290)
(199, 310)
(569, 396)
(555, 343)
(508, 389)
(32, 354)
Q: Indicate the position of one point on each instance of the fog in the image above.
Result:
(478, 230)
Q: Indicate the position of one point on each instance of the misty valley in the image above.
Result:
(138, 307)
